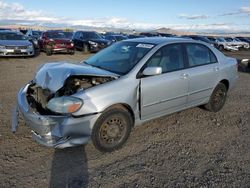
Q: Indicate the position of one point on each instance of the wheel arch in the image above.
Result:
(123, 106)
(225, 82)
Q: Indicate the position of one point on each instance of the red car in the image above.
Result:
(56, 41)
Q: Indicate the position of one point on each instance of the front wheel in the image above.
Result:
(85, 48)
(112, 130)
(48, 51)
(217, 99)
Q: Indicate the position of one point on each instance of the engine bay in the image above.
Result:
(38, 97)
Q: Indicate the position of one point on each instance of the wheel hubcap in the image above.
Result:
(112, 131)
(219, 97)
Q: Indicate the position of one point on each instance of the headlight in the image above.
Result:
(93, 43)
(2, 47)
(30, 46)
(65, 105)
(35, 42)
(72, 44)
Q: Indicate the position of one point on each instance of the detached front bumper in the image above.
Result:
(53, 131)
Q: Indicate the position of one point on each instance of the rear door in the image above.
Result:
(165, 93)
(203, 73)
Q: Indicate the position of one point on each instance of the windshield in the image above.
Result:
(93, 35)
(238, 40)
(120, 57)
(221, 39)
(37, 33)
(212, 39)
(119, 38)
(56, 35)
(12, 36)
(68, 35)
(229, 39)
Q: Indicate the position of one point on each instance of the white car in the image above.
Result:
(236, 42)
(222, 45)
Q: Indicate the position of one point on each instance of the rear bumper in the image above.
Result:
(53, 131)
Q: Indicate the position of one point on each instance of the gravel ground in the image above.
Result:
(192, 148)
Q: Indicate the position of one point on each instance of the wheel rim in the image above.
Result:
(112, 131)
(219, 98)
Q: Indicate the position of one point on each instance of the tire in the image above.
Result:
(217, 99)
(85, 48)
(112, 130)
(72, 52)
(48, 52)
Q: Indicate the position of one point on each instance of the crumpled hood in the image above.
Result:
(53, 75)
(15, 42)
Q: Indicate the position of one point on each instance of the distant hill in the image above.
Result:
(172, 31)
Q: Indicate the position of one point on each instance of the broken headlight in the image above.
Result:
(65, 105)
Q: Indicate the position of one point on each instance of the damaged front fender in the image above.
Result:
(53, 130)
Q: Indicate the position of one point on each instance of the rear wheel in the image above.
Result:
(217, 99)
(112, 130)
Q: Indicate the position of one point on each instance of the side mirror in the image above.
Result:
(152, 71)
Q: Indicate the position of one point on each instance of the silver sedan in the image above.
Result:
(130, 82)
(15, 44)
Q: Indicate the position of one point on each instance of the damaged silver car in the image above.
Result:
(103, 98)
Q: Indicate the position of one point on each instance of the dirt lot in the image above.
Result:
(193, 148)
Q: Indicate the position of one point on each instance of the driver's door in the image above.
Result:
(165, 93)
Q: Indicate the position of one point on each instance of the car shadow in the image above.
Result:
(69, 168)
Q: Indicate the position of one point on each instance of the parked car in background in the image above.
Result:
(33, 36)
(244, 39)
(23, 31)
(4, 29)
(126, 84)
(14, 43)
(115, 38)
(202, 38)
(133, 36)
(56, 42)
(222, 45)
(237, 43)
(68, 34)
(89, 41)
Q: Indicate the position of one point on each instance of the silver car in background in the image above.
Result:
(14, 43)
(130, 82)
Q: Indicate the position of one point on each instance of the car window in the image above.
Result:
(199, 55)
(169, 58)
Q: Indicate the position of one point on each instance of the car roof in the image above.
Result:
(159, 40)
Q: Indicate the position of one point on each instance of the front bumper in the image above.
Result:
(53, 131)
(96, 48)
(231, 48)
(63, 49)
(17, 52)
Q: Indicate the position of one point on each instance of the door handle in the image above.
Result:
(216, 68)
(184, 76)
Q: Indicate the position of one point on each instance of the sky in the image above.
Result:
(189, 15)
